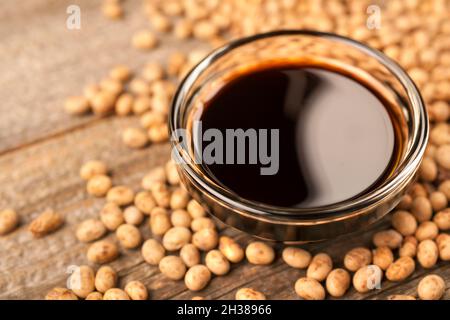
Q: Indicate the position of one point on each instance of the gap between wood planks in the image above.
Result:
(90, 122)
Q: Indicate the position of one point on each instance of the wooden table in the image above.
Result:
(42, 149)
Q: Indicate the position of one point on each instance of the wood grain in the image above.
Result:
(43, 62)
(42, 149)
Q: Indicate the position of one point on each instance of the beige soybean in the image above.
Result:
(409, 247)
(440, 111)
(172, 174)
(426, 230)
(120, 195)
(197, 277)
(443, 156)
(159, 221)
(443, 242)
(161, 194)
(141, 104)
(387, 238)
(120, 72)
(231, 249)
(195, 209)
(139, 87)
(152, 118)
(93, 168)
(400, 269)
(421, 209)
(200, 223)
(442, 219)
(90, 91)
(129, 236)
(357, 258)
(102, 252)
(444, 187)
(249, 294)
(175, 63)
(383, 257)
(136, 290)
(47, 222)
(158, 133)
(418, 190)
(439, 135)
(176, 237)
(99, 185)
(90, 230)
(81, 281)
(205, 239)
(135, 138)
(183, 29)
(367, 278)
(153, 71)
(115, 294)
(112, 86)
(296, 257)
(105, 279)
(431, 287)
(132, 215)
(190, 255)
(160, 22)
(94, 296)
(156, 175)
(172, 267)
(164, 89)
(111, 216)
(204, 30)
(428, 170)
(404, 222)
(179, 199)
(181, 218)
(427, 253)
(438, 201)
(145, 202)
(112, 10)
(430, 151)
(102, 102)
(152, 251)
(405, 203)
(9, 220)
(161, 104)
(309, 289)
(144, 40)
(217, 263)
(76, 105)
(320, 266)
(259, 253)
(338, 282)
(61, 294)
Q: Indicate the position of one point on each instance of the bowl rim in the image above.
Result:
(340, 210)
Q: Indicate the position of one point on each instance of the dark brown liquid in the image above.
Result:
(337, 139)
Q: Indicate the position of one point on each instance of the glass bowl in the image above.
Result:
(299, 224)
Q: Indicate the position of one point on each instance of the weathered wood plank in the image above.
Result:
(46, 175)
(43, 62)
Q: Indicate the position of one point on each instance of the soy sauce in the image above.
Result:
(337, 137)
